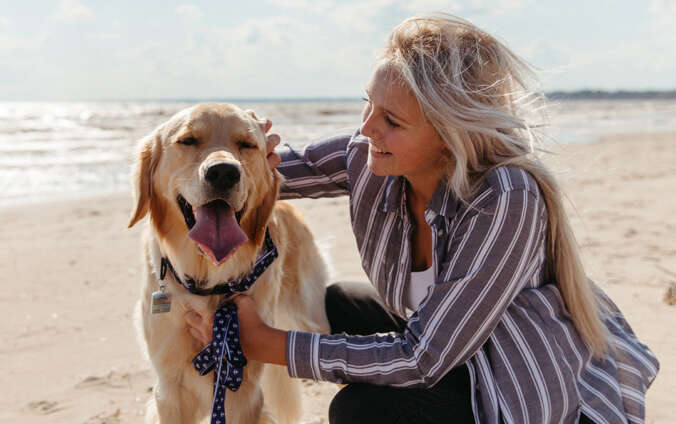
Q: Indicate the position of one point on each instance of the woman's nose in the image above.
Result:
(368, 128)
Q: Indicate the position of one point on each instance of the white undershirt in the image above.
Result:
(417, 287)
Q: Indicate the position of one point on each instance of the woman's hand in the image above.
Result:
(259, 341)
(199, 328)
(271, 140)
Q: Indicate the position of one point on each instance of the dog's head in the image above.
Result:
(204, 175)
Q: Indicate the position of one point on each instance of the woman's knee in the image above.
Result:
(355, 308)
(361, 403)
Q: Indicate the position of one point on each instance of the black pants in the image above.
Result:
(355, 308)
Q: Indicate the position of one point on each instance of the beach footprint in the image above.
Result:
(105, 418)
(114, 379)
(45, 407)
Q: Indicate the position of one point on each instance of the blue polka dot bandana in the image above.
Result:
(224, 356)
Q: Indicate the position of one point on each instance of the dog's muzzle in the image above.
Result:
(222, 176)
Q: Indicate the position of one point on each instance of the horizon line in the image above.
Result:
(554, 94)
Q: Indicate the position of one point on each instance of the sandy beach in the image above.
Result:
(68, 349)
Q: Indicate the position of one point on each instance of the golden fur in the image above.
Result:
(289, 295)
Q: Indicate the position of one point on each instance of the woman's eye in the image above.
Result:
(246, 145)
(188, 141)
(390, 122)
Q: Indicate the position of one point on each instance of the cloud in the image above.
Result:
(16, 42)
(261, 57)
(661, 6)
(356, 16)
(189, 11)
(71, 11)
(417, 6)
(106, 36)
(466, 7)
(664, 12)
(314, 6)
(360, 16)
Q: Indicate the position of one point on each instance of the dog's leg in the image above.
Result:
(282, 394)
(245, 405)
(174, 405)
(267, 417)
(152, 417)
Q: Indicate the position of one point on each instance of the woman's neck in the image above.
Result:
(420, 190)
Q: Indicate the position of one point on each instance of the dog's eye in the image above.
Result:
(188, 141)
(243, 144)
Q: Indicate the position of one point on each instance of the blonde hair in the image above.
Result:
(475, 92)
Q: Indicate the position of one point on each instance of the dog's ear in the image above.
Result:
(263, 123)
(142, 180)
(255, 222)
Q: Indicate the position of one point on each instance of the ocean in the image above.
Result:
(56, 150)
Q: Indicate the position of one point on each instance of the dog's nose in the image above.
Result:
(222, 176)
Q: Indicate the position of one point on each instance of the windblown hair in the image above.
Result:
(477, 94)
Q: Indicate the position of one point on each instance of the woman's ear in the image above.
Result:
(142, 180)
(255, 222)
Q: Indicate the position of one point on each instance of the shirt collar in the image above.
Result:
(443, 203)
(394, 194)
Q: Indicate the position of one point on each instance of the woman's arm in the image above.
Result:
(493, 254)
(495, 251)
(320, 170)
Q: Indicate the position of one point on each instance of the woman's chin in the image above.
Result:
(376, 169)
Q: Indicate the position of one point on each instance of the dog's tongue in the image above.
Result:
(217, 231)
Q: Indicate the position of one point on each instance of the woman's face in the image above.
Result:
(402, 142)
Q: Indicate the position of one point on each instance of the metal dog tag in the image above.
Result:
(160, 302)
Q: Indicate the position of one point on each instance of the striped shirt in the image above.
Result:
(490, 307)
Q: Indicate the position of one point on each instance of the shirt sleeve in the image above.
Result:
(497, 247)
(320, 170)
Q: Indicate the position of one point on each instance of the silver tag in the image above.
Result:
(160, 302)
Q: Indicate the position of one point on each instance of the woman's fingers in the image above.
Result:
(266, 125)
(197, 335)
(198, 327)
(193, 319)
(272, 140)
(243, 301)
(273, 158)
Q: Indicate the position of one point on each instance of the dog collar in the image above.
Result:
(228, 288)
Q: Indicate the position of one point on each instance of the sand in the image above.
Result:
(68, 349)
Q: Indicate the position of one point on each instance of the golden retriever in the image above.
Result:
(196, 170)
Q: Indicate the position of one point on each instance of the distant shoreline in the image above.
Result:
(612, 95)
(553, 95)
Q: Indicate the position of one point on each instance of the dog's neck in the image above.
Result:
(166, 268)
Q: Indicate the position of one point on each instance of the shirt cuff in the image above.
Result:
(302, 355)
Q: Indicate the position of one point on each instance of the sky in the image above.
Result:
(70, 50)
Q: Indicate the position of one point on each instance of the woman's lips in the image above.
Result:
(376, 152)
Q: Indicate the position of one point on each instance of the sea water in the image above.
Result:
(56, 150)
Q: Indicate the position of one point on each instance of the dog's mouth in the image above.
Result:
(214, 227)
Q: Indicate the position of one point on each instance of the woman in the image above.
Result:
(487, 313)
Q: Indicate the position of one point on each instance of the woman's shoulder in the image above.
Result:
(508, 178)
(497, 183)
(358, 141)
